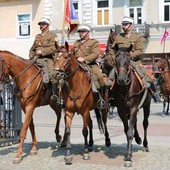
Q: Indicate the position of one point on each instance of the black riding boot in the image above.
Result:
(54, 97)
(101, 104)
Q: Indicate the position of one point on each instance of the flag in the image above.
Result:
(71, 17)
(164, 36)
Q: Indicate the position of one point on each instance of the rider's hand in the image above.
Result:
(80, 59)
(38, 52)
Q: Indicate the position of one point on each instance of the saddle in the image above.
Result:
(92, 77)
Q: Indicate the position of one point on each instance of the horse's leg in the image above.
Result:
(104, 119)
(130, 134)
(91, 142)
(57, 110)
(146, 112)
(68, 121)
(136, 135)
(87, 122)
(23, 133)
(167, 111)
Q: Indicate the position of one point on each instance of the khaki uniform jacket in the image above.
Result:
(44, 43)
(89, 50)
(135, 39)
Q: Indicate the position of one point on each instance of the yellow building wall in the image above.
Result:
(9, 11)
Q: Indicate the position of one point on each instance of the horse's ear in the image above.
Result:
(111, 30)
(130, 47)
(116, 47)
(66, 45)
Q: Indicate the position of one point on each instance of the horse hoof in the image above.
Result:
(90, 149)
(138, 141)
(33, 152)
(63, 145)
(68, 160)
(108, 143)
(58, 138)
(128, 164)
(86, 156)
(16, 160)
(145, 149)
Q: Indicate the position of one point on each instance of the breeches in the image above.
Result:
(99, 74)
(50, 66)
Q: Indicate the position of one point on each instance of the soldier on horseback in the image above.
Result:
(86, 50)
(44, 47)
(125, 39)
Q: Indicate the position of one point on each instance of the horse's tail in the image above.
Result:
(99, 120)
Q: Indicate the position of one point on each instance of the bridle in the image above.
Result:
(66, 73)
(3, 79)
(127, 71)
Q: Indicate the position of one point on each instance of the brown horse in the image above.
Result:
(129, 98)
(30, 91)
(163, 65)
(78, 97)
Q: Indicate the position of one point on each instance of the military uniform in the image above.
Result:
(89, 50)
(137, 41)
(46, 44)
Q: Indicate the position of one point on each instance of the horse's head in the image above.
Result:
(122, 62)
(64, 62)
(4, 71)
(161, 64)
(107, 63)
(110, 40)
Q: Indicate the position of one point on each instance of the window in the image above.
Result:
(103, 12)
(135, 10)
(23, 25)
(166, 10)
(76, 7)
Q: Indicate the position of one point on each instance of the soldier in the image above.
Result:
(44, 47)
(86, 51)
(125, 39)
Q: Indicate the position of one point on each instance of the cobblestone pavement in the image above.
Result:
(50, 156)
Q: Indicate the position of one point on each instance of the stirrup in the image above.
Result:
(101, 104)
(55, 99)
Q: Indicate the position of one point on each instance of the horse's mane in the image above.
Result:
(14, 55)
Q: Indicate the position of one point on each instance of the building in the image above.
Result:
(19, 20)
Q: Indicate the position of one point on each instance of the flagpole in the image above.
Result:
(63, 24)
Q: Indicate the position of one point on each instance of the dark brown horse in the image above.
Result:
(163, 65)
(78, 97)
(129, 98)
(30, 91)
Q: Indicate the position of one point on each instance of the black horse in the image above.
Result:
(129, 98)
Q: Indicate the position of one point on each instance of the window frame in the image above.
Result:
(166, 4)
(23, 26)
(103, 10)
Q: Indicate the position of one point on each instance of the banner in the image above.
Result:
(71, 17)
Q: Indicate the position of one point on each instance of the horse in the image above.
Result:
(78, 97)
(163, 65)
(110, 40)
(29, 92)
(129, 98)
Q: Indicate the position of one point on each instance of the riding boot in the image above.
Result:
(101, 104)
(152, 88)
(54, 97)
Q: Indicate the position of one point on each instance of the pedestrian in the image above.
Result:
(44, 47)
(87, 50)
(125, 39)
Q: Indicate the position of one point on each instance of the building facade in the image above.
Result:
(19, 20)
